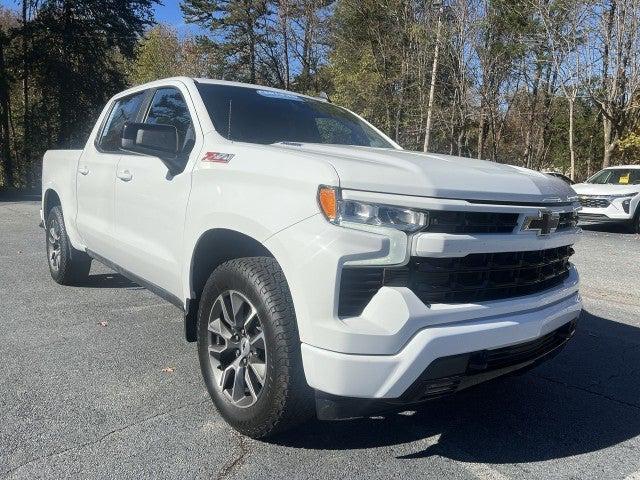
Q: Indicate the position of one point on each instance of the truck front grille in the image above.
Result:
(592, 202)
(568, 220)
(475, 278)
(445, 221)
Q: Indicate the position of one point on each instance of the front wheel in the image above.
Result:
(249, 348)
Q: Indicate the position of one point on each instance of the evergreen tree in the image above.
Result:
(76, 52)
(238, 30)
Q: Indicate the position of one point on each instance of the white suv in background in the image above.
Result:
(611, 195)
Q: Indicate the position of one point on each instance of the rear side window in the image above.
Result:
(124, 110)
(168, 107)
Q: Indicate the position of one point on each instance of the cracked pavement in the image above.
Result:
(81, 398)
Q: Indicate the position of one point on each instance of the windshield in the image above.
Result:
(617, 176)
(266, 116)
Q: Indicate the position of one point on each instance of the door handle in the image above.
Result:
(83, 170)
(124, 175)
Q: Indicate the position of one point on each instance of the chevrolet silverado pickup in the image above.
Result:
(321, 269)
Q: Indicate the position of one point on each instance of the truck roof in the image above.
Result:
(215, 82)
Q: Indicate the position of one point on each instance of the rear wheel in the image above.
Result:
(67, 265)
(249, 348)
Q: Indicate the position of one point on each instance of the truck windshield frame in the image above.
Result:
(266, 117)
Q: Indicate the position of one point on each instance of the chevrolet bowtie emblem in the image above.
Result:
(545, 222)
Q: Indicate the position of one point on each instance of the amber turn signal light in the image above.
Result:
(328, 200)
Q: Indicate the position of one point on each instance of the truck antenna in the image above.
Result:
(229, 121)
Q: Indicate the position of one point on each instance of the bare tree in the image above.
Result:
(564, 22)
(615, 37)
(432, 83)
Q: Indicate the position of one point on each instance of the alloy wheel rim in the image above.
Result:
(237, 348)
(53, 244)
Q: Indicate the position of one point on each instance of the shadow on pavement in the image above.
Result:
(7, 195)
(584, 400)
(606, 228)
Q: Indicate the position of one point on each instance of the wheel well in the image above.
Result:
(51, 199)
(216, 247)
(213, 249)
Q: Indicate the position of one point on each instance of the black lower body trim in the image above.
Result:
(159, 291)
(451, 374)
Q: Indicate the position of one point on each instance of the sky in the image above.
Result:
(169, 13)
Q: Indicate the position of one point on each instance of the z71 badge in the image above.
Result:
(217, 157)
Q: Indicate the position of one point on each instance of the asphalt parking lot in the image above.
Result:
(98, 382)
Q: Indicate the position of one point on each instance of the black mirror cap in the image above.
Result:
(150, 139)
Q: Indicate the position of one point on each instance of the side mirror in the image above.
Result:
(151, 139)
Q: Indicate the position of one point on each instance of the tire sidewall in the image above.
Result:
(55, 214)
(226, 278)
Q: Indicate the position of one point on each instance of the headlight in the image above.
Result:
(339, 211)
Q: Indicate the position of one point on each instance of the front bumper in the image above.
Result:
(380, 353)
(451, 374)
(390, 376)
(613, 212)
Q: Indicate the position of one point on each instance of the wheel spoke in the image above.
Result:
(238, 389)
(251, 319)
(260, 371)
(257, 341)
(218, 327)
(226, 316)
(226, 375)
(237, 302)
(249, 382)
(217, 351)
(53, 232)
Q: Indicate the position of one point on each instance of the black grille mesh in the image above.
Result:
(475, 278)
(471, 222)
(568, 220)
(591, 202)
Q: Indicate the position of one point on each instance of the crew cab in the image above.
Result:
(612, 196)
(321, 268)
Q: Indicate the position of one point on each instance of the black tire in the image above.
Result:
(285, 399)
(67, 265)
(634, 224)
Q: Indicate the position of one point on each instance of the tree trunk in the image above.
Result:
(432, 86)
(607, 125)
(572, 151)
(284, 19)
(481, 132)
(26, 119)
(5, 150)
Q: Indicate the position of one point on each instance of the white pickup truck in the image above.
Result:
(320, 267)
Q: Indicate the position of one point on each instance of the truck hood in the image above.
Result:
(433, 175)
(607, 189)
